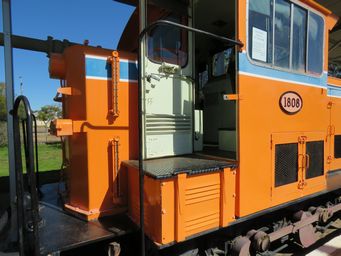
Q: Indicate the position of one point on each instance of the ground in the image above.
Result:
(50, 158)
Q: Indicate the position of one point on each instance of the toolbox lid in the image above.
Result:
(164, 168)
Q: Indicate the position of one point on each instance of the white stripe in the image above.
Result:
(130, 61)
(280, 80)
(109, 78)
(96, 57)
(334, 96)
(98, 78)
(127, 80)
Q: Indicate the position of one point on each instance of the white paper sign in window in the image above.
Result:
(259, 44)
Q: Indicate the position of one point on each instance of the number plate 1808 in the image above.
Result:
(290, 103)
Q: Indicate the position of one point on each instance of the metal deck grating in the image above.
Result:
(168, 167)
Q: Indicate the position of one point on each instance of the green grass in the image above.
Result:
(50, 158)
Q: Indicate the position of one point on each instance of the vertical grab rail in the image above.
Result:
(140, 107)
(28, 218)
(36, 152)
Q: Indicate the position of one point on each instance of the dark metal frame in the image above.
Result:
(7, 28)
(140, 109)
(27, 215)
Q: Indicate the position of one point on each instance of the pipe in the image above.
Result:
(48, 46)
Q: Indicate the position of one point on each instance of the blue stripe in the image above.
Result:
(334, 91)
(102, 69)
(128, 71)
(246, 66)
(97, 68)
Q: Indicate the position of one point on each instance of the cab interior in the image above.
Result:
(215, 66)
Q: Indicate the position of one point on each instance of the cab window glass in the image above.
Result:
(298, 36)
(220, 62)
(168, 44)
(282, 34)
(315, 44)
(299, 39)
(260, 30)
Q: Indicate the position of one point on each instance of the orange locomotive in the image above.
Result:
(229, 130)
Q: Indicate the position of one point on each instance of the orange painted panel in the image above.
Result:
(260, 116)
(185, 205)
(152, 204)
(97, 184)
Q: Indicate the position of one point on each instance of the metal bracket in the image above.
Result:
(302, 139)
(329, 105)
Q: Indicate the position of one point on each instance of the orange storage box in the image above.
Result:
(183, 196)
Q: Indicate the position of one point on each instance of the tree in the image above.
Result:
(48, 113)
(3, 118)
(3, 111)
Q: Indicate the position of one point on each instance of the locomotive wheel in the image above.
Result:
(241, 246)
(306, 235)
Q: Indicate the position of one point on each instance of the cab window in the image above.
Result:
(315, 44)
(168, 44)
(282, 34)
(297, 40)
(260, 30)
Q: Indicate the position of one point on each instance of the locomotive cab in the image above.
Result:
(189, 80)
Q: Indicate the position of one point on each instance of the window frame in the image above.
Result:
(185, 38)
(308, 9)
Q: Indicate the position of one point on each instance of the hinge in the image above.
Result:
(330, 105)
(331, 130)
(329, 159)
(302, 139)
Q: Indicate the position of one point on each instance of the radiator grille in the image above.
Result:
(158, 124)
(337, 146)
(286, 164)
(315, 151)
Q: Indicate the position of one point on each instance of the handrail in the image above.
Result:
(140, 110)
(36, 152)
(26, 222)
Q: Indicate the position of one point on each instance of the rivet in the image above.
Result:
(163, 211)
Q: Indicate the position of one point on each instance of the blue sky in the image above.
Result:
(101, 22)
